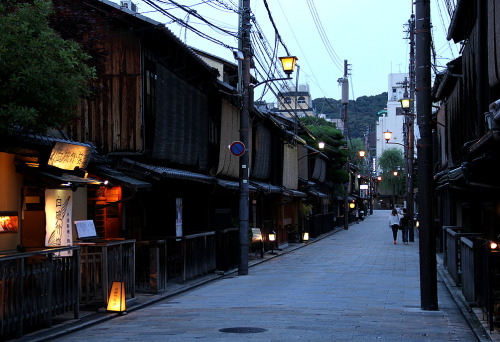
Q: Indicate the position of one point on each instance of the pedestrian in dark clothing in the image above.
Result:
(394, 223)
(404, 223)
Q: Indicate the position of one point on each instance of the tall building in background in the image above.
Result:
(392, 119)
(292, 101)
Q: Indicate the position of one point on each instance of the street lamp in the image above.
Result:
(387, 136)
(405, 103)
(362, 154)
(395, 173)
(288, 64)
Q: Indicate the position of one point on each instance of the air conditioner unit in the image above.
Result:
(303, 88)
(128, 4)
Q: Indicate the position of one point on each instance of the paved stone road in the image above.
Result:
(354, 285)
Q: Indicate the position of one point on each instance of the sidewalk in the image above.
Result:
(356, 279)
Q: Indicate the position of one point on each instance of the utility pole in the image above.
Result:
(407, 144)
(345, 101)
(410, 120)
(244, 46)
(427, 242)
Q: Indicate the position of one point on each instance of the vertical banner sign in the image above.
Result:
(178, 217)
(58, 208)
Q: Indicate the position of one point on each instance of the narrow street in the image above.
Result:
(354, 285)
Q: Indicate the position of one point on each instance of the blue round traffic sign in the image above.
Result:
(237, 148)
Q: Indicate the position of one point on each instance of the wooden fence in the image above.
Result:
(35, 286)
(487, 281)
(151, 266)
(475, 268)
(320, 224)
(191, 256)
(227, 249)
(197, 255)
(468, 269)
(454, 254)
(105, 262)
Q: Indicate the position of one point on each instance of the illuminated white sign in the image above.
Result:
(58, 208)
(68, 156)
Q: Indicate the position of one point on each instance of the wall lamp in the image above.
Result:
(388, 136)
(288, 64)
(405, 103)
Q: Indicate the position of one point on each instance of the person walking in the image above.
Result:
(394, 224)
(403, 223)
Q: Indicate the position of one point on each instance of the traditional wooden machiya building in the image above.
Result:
(143, 177)
(43, 191)
(466, 146)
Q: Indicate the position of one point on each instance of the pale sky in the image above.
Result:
(368, 33)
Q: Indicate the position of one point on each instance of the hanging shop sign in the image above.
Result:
(58, 229)
(178, 217)
(69, 156)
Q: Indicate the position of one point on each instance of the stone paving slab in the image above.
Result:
(353, 285)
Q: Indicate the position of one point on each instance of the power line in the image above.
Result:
(275, 28)
(324, 38)
(190, 27)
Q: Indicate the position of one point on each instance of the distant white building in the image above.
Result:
(295, 102)
(393, 118)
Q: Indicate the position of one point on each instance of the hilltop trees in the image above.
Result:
(362, 113)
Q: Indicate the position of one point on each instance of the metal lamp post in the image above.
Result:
(406, 104)
(395, 173)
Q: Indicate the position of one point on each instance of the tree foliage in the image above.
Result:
(42, 76)
(391, 160)
(334, 140)
(356, 145)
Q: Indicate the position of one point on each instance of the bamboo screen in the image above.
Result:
(229, 133)
(290, 167)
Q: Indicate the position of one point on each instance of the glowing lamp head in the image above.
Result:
(493, 245)
(272, 236)
(395, 173)
(387, 135)
(405, 103)
(288, 64)
(321, 145)
(362, 154)
(305, 236)
(352, 205)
